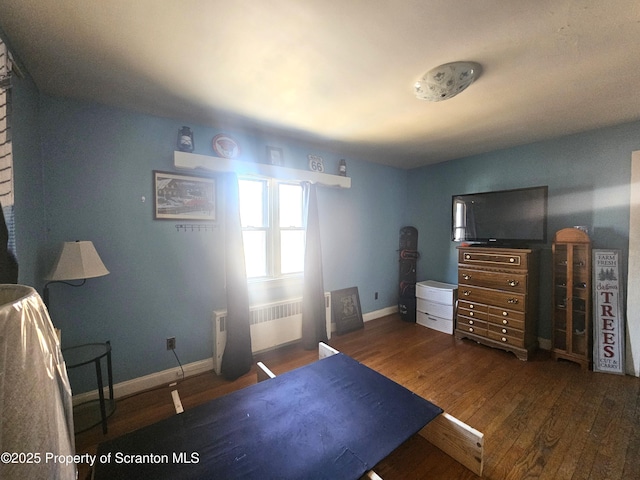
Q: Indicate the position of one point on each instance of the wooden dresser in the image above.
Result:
(498, 298)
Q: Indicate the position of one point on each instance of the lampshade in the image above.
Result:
(77, 260)
(446, 81)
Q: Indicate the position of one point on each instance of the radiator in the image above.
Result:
(271, 325)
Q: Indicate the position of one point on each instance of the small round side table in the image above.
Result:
(93, 412)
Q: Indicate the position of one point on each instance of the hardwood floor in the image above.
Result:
(541, 419)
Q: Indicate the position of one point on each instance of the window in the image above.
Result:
(459, 220)
(271, 213)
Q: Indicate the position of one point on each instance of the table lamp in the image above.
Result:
(78, 260)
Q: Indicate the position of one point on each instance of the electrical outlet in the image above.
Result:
(171, 343)
(376, 296)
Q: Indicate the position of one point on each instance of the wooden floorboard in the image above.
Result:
(632, 454)
(541, 419)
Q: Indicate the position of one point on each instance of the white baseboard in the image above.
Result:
(165, 377)
(380, 313)
(136, 385)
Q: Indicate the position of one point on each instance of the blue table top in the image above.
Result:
(334, 419)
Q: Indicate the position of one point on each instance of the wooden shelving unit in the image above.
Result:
(572, 297)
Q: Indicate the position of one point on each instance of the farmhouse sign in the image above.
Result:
(608, 321)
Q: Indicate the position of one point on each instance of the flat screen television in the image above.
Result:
(505, 217)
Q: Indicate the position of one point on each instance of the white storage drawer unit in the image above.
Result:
(435, 306)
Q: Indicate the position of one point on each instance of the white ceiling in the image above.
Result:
(342, 71)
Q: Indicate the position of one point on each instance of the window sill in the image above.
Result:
(265, 290)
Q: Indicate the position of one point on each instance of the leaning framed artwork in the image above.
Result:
(609, 340)
(346, 311)
(183, 197)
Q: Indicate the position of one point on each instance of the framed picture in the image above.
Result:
(274, 156)
(183, 197)
(346, 311)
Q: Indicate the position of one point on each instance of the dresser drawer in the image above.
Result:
(437, 292)
(505, 331)
(491, 258)
(436, 323)
(437, 309)
(506, 339)
(509, 282)
(511, 301)
(477, 313)
(508, 318)
(473, 306)
(470, 325)
(463, 322)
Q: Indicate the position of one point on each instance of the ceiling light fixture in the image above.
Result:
(446, 81)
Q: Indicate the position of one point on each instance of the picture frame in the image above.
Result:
(183, 197)
(275, 156)
(346, 310)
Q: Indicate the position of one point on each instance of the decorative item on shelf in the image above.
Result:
(446, 81)
(274, 156)
(342, 168)
(225, 146)
(185, 140)
(316, 164)
(77, 260)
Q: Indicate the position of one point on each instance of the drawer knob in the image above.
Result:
(505, 322)
(466, 293)
(512, 300)
(470, 322)
(466, 277)
(505, 314)
(471, 305)
(504, 339)
(513, 283)
(467, 256)
(471, 314)
(512, 260)
(471, 329)
(504, 330)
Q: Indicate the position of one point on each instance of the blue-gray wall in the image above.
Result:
(95, 167)
(588, 177)
(82, 170)
(28, 180)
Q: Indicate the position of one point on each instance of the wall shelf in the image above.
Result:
(194, 161)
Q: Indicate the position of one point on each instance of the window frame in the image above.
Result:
(459, 220)
(271, 215)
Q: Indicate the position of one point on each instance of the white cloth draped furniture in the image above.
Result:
(36, 423)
